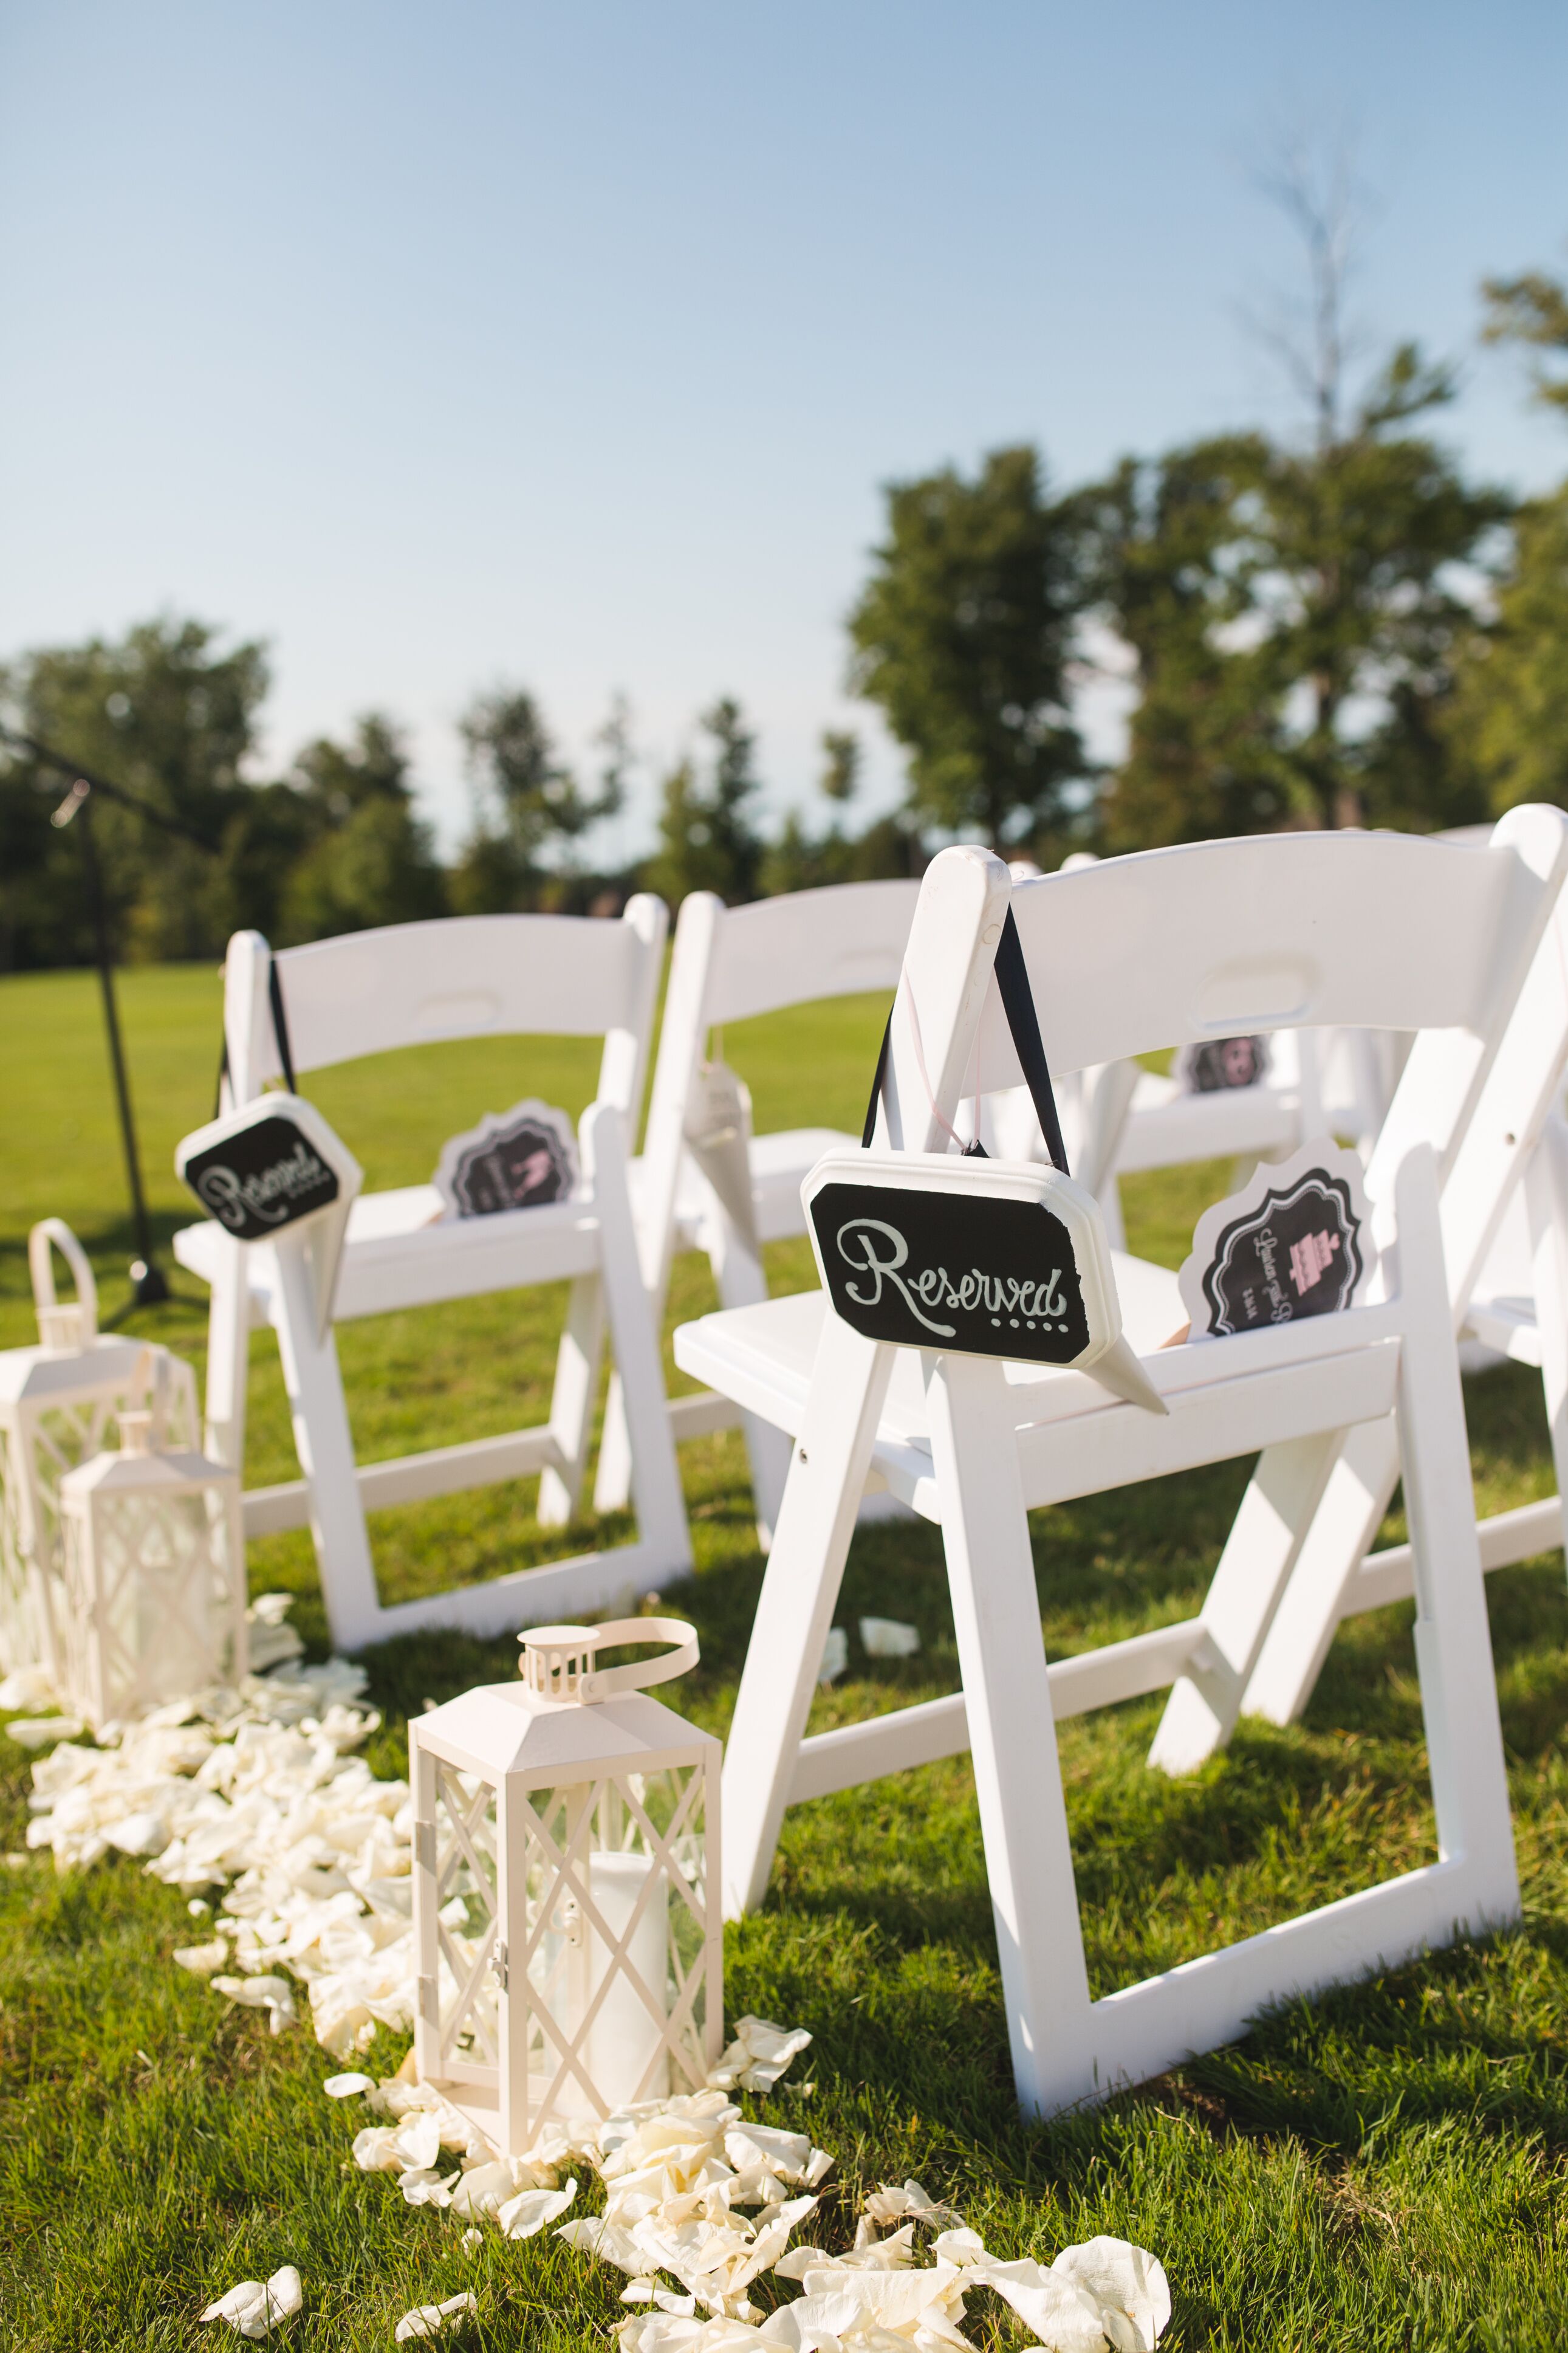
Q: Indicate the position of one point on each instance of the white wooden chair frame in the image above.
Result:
(1299, 1560)
(412, 984)
(997, 1443)
(730, 963)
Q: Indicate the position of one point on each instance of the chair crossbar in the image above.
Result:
(410, 1478)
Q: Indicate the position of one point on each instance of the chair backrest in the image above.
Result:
(463, 977)
(797, 949)
(1467, 946)
(730, 964)
(1280, 931)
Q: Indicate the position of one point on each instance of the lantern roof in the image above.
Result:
(171, 1472)
(500, 1729)
(39, 1376)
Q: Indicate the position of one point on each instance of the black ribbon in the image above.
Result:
(1018, 1004)
(279, 1032)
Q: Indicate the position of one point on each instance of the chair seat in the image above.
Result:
(402, 1251)
(763, 1357)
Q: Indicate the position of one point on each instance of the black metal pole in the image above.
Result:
(148, 1284)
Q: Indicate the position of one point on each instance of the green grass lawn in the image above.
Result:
(1384, 2168)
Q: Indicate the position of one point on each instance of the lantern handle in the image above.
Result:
(559, 1659)
(40, 1265)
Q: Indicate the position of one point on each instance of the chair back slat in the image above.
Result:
(1275, 931)
(808, 946)
(466, 977)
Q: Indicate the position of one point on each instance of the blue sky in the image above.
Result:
(444, 345)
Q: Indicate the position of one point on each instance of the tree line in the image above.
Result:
(1335, 630)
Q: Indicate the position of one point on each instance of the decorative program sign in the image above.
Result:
(1221, 1063)
(1294, 1241)
(518, 1160)
(979, 1258)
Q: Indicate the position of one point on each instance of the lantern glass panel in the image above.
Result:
(615, 1921)
(159, 1582)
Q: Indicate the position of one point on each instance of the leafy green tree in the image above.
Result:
(800, 859)
(707, 837)
(371, 860)
(528, 805)
(1510, 714)
(840, 777)
(964, 635)
(1202, 754)
(1297, 611)
(172, 717)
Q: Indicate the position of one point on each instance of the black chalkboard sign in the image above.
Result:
(263, 1177)
(1296, 1251)
(951, 1269)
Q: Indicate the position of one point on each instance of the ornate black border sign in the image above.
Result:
(1293, 1242)
(265, 1174)
(519, 1159)
(1220, 1064)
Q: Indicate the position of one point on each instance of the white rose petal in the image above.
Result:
(273, 1994)
(202, 1960)
(430, 2319)
(33, 1732)
(1127, 2283)
(889, 1638)
(530, 2210)
(254, 2305)
(343, 2088)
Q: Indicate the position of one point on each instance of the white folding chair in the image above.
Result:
(730, 964)
(1272, 932)
(1299, 1560)
(416, 984)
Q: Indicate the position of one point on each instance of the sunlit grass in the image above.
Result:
(1381, 2170)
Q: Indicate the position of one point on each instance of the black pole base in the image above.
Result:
(148, 1284)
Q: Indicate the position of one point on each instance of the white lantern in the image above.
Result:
(566, 1886)
(152, 1577)
(58, 1403)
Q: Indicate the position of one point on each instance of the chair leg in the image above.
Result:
(228, 1354)
(1356, 1494)
(800, 1593)
(1017, 1775)
(1453, 1639)
(1260, 1556)
(1546, 1194)
(742, 1281)
(655, 1471)
(613, 1477)
(325, 1447)
(571, 1402)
